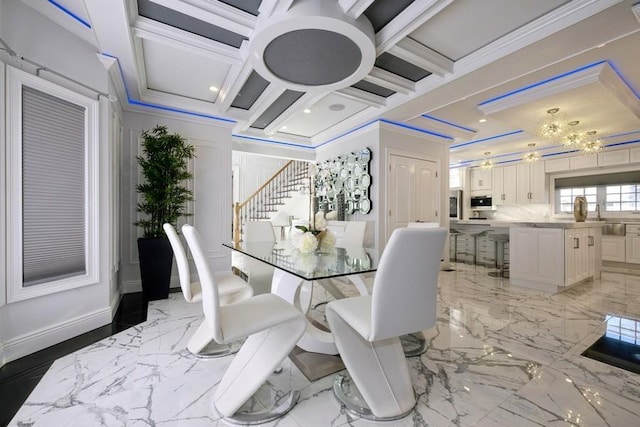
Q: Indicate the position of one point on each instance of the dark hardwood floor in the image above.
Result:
(19, 378)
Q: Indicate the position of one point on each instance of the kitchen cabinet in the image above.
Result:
(634, 155)
(557, 165)
(632, 247)
(583, 161)
(531, 184)
(481, 181)
(612, 158)
(554, 256)
(614, 248)
(536, 256)
(576, 255)
(503, 185)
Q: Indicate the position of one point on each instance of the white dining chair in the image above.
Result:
(271, 326)
(259, 274)
(231, 288)
(367, 329)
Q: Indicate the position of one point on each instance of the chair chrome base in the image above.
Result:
(254, 418)
(349, 396)
(413, 344)
(214, 350)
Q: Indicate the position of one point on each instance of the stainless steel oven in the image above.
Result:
(455, 204)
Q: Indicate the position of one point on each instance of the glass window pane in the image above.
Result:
(591, 190)
(627, 188)
(627, 206)
(613, 189)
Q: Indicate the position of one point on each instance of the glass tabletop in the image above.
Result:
(334, 262)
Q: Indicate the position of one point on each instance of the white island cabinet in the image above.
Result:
(556, 254)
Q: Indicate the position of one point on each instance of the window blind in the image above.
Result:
(53, 192)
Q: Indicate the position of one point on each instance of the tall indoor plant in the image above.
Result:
(165, 167)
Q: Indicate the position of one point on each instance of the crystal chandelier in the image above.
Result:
(552, 127)
(487, 163)
(573, 139)
(532, 155)
(592, 144)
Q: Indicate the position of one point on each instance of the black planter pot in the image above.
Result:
(156, 257)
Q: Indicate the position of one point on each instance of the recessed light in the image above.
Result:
(307, 111)
(213, 88)
(482, 120)
(284, 128)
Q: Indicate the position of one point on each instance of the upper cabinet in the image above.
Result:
(481, 181)
(613, 158)
(504, 186)
(531, 183)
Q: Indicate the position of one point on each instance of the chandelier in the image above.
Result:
(531, 156)
(487, 163)
(552, 127)
(573, 138)
(592, 144)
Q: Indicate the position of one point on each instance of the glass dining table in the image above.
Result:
(295, 273)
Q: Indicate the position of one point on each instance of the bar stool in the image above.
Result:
(453, 242)
(500, 241)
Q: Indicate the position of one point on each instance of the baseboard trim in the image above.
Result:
(114, 304)
(2, 359)
(42, 338)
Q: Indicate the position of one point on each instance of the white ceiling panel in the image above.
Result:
(328, 111)
(467, 25)
(180, 72)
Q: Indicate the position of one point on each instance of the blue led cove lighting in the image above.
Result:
(71, 14)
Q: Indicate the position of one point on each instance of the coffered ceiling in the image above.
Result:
(436, 65)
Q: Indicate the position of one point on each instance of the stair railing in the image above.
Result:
(286, 180)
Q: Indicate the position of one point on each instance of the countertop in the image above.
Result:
(532, 224)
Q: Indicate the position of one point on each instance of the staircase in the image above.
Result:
(271, 196)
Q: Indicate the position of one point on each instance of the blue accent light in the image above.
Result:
(488, 101)
(270, 141)
(404, 125)
(435, 119)
(623, 143)
(71, 14)
(485, 139)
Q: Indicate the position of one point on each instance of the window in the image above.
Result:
(52, 202)
(568, 195)
(622, 198)
(454, 178)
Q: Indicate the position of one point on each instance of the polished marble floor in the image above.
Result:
(499, 356)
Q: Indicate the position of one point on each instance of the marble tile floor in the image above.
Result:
(499, 356)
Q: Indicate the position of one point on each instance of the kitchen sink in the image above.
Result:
(614, 229)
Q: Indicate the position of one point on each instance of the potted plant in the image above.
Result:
(165, 167)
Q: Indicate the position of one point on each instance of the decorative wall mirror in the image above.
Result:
(342, 184)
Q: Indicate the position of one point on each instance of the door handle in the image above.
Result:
(576, 243)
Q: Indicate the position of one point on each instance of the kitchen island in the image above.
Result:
(551, 254)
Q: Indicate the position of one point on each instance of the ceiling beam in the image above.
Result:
(368, 98)
(355, 8)
(264, 101)
(421, 56)
(391, 81)
(215, 13)
(407, 21)
(301, 103)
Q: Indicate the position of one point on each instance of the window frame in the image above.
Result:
(16, 79)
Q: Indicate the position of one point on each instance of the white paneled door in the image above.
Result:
(413, 191)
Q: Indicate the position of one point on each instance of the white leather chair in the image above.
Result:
(231, 288)
(259, 274)
(347, 233)
(272, 328)
(367, 328)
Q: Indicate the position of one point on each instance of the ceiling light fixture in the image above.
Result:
(482, 120)
(313, 46)
(592, 144)
(307, 111)
(532, 155)
(487, 163)
(552, 127)
(213, 88)
(573, 138)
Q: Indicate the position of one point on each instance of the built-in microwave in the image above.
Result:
(481, 203)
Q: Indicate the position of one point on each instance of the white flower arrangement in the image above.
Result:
(307, 240)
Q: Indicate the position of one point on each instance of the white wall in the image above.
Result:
(384, 138)
(212, 207)
(33, 324)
